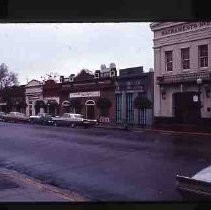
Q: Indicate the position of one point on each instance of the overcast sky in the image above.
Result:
(33, 50)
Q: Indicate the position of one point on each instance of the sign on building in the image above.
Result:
(85, 94)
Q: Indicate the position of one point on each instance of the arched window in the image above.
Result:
(90, 103)
(65, 103)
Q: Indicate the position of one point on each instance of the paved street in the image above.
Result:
(105, 165)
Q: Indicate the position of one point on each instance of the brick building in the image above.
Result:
(51, 97)
(86, 90)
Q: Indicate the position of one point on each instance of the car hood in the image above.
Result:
(203, 175)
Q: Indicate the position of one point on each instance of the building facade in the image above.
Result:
(51, 97)
(12, 99)
(182, 78)
(85, 90)
(34, 97)
(131, 83)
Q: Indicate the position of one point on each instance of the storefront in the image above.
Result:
(34, 97)
(133, 83)
(182, 66)
(51, 92)
(12, 99)
(85, 93)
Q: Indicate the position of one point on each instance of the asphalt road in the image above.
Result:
(104, 165)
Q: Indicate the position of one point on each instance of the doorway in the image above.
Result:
(185, 109)
(90, 109)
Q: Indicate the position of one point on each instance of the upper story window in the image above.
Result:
(168, 61)
(185, 56)
(203, 55)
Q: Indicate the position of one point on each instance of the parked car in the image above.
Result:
(2, 114)
(15, 117)
(72, 119)
(41, 118)
(197, 187)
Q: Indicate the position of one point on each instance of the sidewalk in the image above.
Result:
(15, 187)
(160, 129)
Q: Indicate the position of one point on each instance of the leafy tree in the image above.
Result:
(7, 79)
(75, 104)
(142, 103)
(104, 104)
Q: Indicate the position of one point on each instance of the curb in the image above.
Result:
(157, 130)
(65, 194)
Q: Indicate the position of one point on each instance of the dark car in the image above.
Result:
(197, 187)
(42, 118)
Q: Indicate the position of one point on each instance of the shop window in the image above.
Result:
(118, 108)
(203, 56)
(130, 108)
(185, 56)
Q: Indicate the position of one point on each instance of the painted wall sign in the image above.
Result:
(184, 27)
(85, 94)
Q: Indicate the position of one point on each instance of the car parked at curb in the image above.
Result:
(2, 114)
(197, 187)
(41, 118)
(73, 120)
(15, 117)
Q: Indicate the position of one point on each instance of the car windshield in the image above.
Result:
(78, 116)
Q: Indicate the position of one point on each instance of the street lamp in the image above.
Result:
(199, 82)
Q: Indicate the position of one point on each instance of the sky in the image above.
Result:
(33, 50)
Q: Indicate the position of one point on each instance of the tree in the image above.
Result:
(51, 76)
(142, 103)
(7, 79)
(104, 104)
(76, 105)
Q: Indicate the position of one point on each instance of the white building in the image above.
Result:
(34, 93)
(182, 53)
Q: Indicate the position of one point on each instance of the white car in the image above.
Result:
(72, 119)
(197, 187)
(15, 117)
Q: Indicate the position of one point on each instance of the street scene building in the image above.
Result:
(132, 83)
(12, 99)
(51, 94)
(182, 65)
(34, 97)
(85, 93)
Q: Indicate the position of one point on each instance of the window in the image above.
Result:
(185, 57)
(118, 108)
(168, 61)
(203, 55)
(129, 108)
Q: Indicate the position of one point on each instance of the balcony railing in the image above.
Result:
(183, 77)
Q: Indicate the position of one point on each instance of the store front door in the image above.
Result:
(90, 109)
(187, 109)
